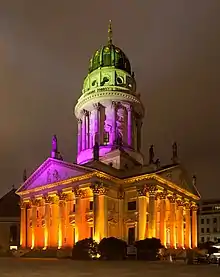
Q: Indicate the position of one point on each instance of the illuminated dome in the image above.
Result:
(110, 55)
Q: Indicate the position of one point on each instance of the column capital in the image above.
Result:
(98, 188)
(180, 202)
(34, 202)
(187, 205)
(85, 112)
(78, 192)
(23, 204)
(79, 120)
(172, 198)
(114, 104)
(194, 207)
(129, 108)
(152, 190)
(97, 106)
(163, 195)
(142, 191)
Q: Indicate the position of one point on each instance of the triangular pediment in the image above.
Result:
(178, 175)
(52, 171)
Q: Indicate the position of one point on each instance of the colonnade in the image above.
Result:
(177, 224)
(89, 133)
(60, 220)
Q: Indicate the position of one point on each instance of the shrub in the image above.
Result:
(148, 249)
(112, 248)
(85, 249)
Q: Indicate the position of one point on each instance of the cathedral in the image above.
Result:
(109, 191)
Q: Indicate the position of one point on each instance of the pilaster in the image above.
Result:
(113, 134)
(54, 230)
(194, 225)
(62, 220)
(47, 222)
(79, 135)
(129, 132)
(188, 226)
(78, 217)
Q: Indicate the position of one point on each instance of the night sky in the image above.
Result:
(173, 46)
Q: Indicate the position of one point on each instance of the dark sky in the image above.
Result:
(173, 45)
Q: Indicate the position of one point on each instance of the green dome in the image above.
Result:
(110, 55)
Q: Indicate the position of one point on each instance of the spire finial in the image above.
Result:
(110, 32)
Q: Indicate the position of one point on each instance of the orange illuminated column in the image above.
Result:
(142, 210)
(46, 222)
(34, 220)
(180, 230)
(23, 228)
(172, 199)
(152, 211)
(163, 196)
(54, 230)
(63, 219)
(188, 226)
(194, 225)
(78, 216)
(70, 218)
(100, 212)
(121, 213)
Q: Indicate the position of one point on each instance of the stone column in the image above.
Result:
(54, 230)
(172, 200)
(113, 134)
(188, 226)
(87, 131)
(79, 135)
(163, 196)
(100, 212)
(63, 218)
(142, 212)
(129, 132)
(34, 220)
(96, 123)
(84, 130)
(23, 223)
(78, 216)
(180, 230)
(121, 195)
(47, 222)
(194, 225)
(152, 211)
(91, 130)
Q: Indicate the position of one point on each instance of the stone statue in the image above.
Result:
(151, 154)
(24, 175)
(96, 152)
(157, 163)
(54, 144)
(175, 154)
(118, 141)
(194, 180)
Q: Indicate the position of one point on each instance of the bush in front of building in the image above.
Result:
(148, 249)
(86, 249)
(112, 249)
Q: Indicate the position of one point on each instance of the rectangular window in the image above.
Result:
(214, 220)
(91, 205)
(202, 230)
(202, 239)
(215, 230)
(202, 221)
(132, 206)
(207, 230)
(207, 220)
